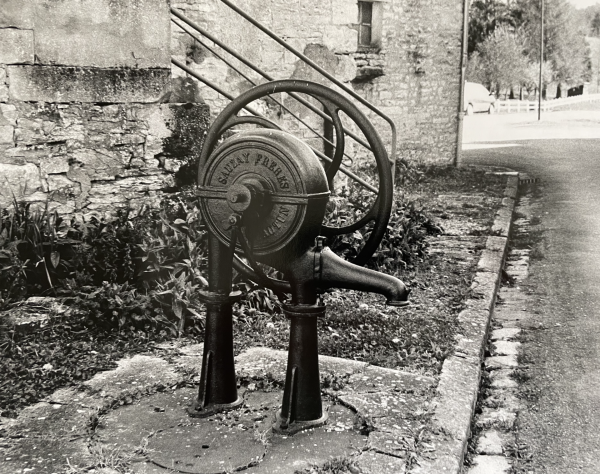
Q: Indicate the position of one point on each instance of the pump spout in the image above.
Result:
(332, 271)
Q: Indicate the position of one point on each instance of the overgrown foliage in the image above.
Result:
(135, 280)
(403, 243)
(122, 270)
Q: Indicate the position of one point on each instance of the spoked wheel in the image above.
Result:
(333, 105)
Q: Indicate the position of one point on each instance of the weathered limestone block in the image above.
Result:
(8, 114)
(100, 164)
(60, 182)
(7, 135)
(16, 46)
(343, 13)
(497, 417)
(502, 379)
(340, 39)
(103, 33)
(18, 181)
(505, 348)
(157, 132)
(17, 14)
(372, 462)
(30, 132)
(505, 334)
(312, 11)
(501, 362)
(489, 465)
(17, 155)
(346, 69)
(490, 443)
(84, 84)
(3, 85)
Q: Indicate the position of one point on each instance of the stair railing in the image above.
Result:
(179, 20)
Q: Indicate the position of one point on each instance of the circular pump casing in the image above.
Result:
(271, 180)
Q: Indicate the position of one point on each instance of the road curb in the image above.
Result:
(457, 391)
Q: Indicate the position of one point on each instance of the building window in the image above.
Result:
(369, 24)
(365, 25)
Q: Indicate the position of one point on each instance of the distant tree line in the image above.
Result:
(504, 42)
(589, 19)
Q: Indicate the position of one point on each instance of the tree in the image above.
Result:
(476, 69)
(484, 17)
(564, 41)
(595, 26)
(531, 80)
(500, 61)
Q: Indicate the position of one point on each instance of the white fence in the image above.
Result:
(513, 106)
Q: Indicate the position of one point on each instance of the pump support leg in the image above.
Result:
(302, 407)
(218, 389)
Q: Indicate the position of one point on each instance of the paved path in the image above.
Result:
(561, 426)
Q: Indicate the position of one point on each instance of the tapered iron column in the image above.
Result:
(302, 407)
(218, 388)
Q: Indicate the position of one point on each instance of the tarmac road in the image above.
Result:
(561, 425)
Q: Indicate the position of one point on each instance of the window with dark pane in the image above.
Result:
(365, 23)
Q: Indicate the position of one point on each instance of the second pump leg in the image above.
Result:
(302, 407)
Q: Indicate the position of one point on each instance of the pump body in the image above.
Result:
(263, 195)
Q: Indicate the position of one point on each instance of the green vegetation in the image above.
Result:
(504, 46)
(132, 281)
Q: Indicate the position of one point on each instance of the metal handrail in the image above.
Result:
(319, 69)
(321, 155)
(256, 69)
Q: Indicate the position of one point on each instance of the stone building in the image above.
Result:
(93, 116)
(84, 118)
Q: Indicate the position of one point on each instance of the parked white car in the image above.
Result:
(478, 99)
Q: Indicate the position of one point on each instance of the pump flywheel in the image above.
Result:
(266, 184)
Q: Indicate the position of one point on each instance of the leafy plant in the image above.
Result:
(403, 242)
(13, 283)
(258, 298)
(108, 249)
(32, 245)
(174, 259)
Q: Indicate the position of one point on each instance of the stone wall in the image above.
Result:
(87, 118)
(84, 119)
(95, 158)
(413, 76)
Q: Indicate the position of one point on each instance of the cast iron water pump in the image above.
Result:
(263, 195)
